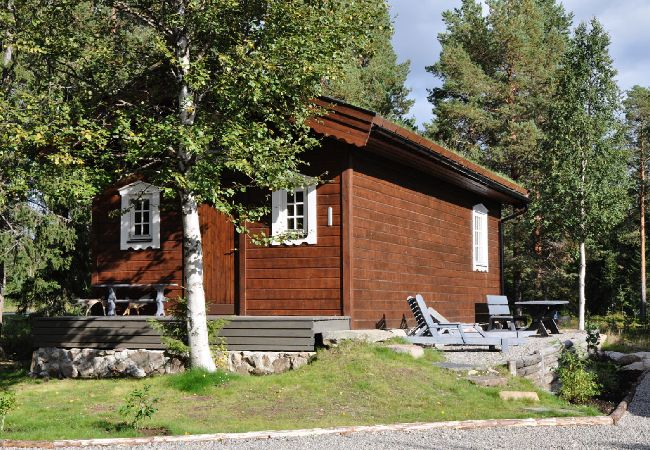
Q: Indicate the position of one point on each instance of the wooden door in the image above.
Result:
(219, 252)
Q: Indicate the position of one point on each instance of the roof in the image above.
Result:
(369, 131)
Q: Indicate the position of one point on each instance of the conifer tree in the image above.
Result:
(499, 74)
(372, 78)
(637, 115)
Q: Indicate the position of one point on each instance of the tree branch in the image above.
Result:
(142, 17)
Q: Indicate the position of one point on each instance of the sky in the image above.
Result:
(418, 22)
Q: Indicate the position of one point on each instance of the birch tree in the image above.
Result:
(207, 99)
(637, 116)
(585, 155)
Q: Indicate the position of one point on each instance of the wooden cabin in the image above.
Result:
(396, 215)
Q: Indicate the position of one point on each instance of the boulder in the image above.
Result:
(488, 380)
(639, 366)
(518, 395)
(413, 350)
(333, 338)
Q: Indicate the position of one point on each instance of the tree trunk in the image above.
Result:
(581, 300)
(642, 226)
(3, 283)
(197, 329)
(197, 324)
(8, 52)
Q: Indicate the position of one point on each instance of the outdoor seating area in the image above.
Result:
(434, 329)
(109, 303)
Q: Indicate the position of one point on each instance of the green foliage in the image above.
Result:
(16, 338)
(7, 404)
(593, 337)
(138, 406)
(577, 383)
(174, 333)
(198, 381)
(613, 385)
(371, 77)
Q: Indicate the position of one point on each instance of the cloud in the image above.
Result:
(418, 23)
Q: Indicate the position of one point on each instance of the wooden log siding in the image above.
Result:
(413, 234)
(303, 279)
(241, 333)
(112, 265)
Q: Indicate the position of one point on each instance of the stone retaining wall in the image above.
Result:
(540, 366)
(56, 362)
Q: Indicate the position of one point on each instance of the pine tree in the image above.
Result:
(499, 74)
(637, 115)
(586, 158)
(372, 77)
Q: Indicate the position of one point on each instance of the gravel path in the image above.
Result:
(482, 358)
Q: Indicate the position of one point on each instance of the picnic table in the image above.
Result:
(543, 313)
(111, 298)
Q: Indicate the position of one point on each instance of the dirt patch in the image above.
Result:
(99, 408)
(154, 431)
(198, 398)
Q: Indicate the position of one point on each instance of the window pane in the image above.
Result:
(299, 224)
(138, 230)
(290, 210)
(145, 229)
(145, 217)
(138, 217)
(299, 196)
(291, 224)
(290, 197)
(299, 210)
(145, 204)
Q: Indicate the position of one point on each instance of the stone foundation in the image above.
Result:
(91, 363)
(56, 362)
(266, 363)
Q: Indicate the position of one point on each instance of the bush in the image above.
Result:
(7, 404)
(138, 405)
(16, 337)
(577, 383)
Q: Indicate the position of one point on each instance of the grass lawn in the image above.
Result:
(352, 385)
(628, 341)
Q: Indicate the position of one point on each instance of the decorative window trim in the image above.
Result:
(139, 191)
(480, 249)
(279, 225)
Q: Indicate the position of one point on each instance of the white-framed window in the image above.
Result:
(293, 216)
(140, 219)
(480, 238)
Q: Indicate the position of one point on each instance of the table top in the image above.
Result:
(543, 302)
(134, 285)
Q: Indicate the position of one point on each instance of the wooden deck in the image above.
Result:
(252, 333)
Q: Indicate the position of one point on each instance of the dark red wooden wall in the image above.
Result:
(303, 279)
(112, 265)
(412, 233)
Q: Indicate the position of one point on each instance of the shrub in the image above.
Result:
(174, 334)
(16, 337)
(7, 404)
(138, 405)
(577, 383)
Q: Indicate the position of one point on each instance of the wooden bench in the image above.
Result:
(112, 300)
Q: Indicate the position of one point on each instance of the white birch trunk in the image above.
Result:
(581, 294)
(197, 323)
(197, 326)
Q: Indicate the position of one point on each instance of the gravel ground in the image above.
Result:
(632, 433)
(482, 358)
